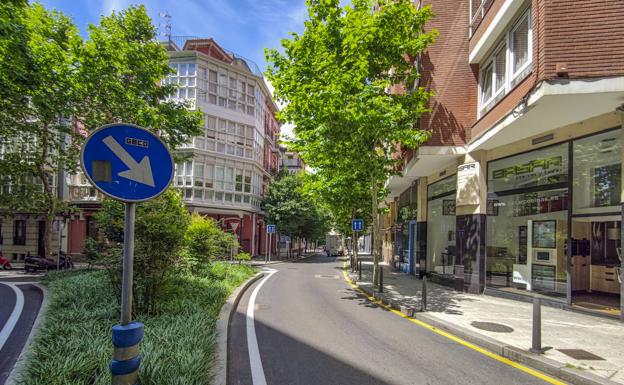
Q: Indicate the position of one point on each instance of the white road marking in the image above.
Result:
(255, 362)
(17, 312)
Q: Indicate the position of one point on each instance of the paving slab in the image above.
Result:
(506, 322)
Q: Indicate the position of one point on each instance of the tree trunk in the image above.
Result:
(377, 244)
(49, 210)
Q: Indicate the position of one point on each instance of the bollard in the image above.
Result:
(126, 358)
(423, 304)
(537, 327)
(380, 279)
(360, 270)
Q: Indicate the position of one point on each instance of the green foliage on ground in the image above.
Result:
(73, 345)
(243, 257)
(167, 239)
(160, 227)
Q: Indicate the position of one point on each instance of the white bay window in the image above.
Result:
(507, 66)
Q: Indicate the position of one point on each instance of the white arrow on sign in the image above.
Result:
(138, 172)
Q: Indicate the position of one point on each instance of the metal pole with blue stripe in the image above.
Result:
(127, 335)
(117, 159)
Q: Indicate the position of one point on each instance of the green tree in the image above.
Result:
(160, 229)
(338, 80)
(207, 242)
(54, 82)
(39, 77)
(122, 66)
(293, 210)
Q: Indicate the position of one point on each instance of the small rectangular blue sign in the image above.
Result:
(271, 229)
(357, 225)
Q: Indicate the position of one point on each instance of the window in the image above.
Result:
(19, 235)
(520, 54)
(184, 77)
(507, 66)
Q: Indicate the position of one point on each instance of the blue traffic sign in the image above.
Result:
(357, 225)
(127, 162)
(271, 229)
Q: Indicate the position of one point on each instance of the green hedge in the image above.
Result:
(73, 345)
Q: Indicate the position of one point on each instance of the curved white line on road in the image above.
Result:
(17, 312)
(255, 362)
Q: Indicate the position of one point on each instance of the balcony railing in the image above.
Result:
(478, 9)
(84, 194)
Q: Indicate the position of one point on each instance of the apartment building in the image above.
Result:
(291, 161)
(229, 167)
(519, 191)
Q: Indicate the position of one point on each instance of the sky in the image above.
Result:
(245, 27)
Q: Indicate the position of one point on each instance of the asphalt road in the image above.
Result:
(313, 328)
(13, 335)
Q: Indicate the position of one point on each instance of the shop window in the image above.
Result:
(441, 223)
(19, 233)
(528, 195)
(597, 180)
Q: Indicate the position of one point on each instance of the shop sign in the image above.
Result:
(468, 184)
(535, 169)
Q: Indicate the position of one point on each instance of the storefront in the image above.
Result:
(441, 223)
(407, 212)
(537, 241)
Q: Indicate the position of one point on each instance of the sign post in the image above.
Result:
(270, 231)
(117, 159)
(357, 225)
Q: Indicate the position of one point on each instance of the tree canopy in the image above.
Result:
(57, 87)
(349, 85)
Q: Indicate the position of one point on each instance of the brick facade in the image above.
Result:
(449, 76)
(586, 36)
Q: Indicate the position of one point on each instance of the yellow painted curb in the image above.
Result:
(485, 352)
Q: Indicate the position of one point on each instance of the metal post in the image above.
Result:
(266, 248)
(270, 240)
(423, 304)
(360, 270)
(380, 279)
(127, 335)
(128, 265)
(58, 255)
(536, 345)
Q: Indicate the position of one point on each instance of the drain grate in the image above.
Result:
(580, 354)
(492, 327)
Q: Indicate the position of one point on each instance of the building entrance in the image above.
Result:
(595, 263)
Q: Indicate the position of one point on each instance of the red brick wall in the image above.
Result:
(587, 35)
(446, 72)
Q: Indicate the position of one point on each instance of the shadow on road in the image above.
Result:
(288, 360)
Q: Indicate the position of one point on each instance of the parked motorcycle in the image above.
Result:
(32, 264)
(4, 263)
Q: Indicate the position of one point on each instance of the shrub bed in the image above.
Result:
(73, 344)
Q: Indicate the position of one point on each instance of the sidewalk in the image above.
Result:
(510, 324)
